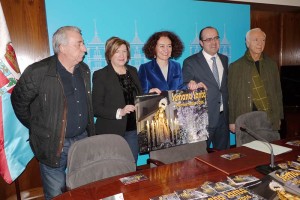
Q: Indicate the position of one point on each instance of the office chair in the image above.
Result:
(98, 157)
(177, 153)
(258, 122)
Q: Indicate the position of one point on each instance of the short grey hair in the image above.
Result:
(60, 36)
(253, 30)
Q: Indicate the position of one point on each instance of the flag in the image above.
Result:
(15, 152)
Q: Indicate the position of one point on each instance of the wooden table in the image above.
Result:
(162, 180)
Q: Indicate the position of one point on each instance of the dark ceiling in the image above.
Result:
(263, 7)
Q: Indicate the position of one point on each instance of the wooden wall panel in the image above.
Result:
(291, 39)
(270, 23)
(26, 21)
(283, 45)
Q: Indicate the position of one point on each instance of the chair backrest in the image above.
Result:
(178, 153)
(98, 157)
(258, 122)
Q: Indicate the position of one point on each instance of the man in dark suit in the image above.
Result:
(208, 69)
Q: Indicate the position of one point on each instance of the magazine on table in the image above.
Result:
(213, 190)
(241, 193)
(232, 156)
(190, 194)
(242, 179)
(294, 143)
(289, 178)
(133, 179)
(172, 196)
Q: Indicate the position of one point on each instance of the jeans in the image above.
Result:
(132, 139)
(54, 178)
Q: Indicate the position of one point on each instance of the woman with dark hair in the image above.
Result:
(114, 89)
(162, 73)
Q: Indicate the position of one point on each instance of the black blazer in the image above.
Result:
(108, 97)
(196, 68)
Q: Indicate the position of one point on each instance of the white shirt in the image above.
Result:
(219, 66)
(210, 63)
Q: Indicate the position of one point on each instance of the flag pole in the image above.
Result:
(17, 187)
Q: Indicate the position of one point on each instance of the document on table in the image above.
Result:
(264, 147)
(114, 197)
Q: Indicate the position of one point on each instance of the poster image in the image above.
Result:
(171, 118)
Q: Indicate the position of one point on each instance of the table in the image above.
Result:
(163, 180)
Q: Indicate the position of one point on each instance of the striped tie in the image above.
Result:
(216, 74)
(215, 70)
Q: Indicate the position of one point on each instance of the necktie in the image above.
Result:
(216, 74)
(215, 70)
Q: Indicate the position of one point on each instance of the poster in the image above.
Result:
(171, 118)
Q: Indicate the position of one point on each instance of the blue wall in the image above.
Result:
(136, 20)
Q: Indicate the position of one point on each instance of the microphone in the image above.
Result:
(264, 169)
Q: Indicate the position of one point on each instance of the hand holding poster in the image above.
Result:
(171, 118)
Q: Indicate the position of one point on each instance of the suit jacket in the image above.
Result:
(108, 97)
(196, 68)
(151, 76)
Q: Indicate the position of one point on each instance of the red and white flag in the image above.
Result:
(15, 152)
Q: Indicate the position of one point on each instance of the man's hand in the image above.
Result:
(192, 85)
(232, 128)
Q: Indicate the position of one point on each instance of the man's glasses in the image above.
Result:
(211, 39)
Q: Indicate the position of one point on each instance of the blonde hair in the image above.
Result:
(112, 45)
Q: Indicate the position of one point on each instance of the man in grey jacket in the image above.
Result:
(53, 100)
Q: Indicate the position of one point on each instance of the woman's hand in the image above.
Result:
(155, 90)
(127, 109)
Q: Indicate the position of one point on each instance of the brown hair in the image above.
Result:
(177, 45)
(112, 45)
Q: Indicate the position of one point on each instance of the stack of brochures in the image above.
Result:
(232, 188)
(289, 176)
(242, 179)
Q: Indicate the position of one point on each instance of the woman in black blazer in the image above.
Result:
(114, 89)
